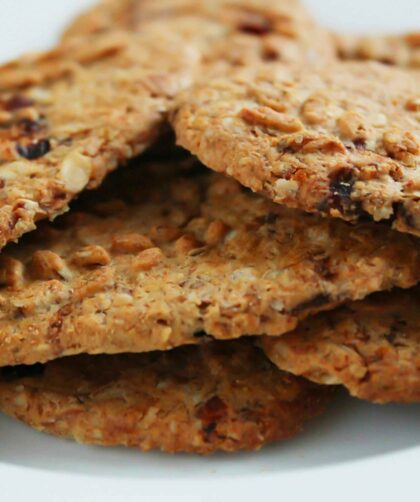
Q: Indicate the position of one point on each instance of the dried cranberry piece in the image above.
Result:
(34, 150)
(256, 25)
(30, 126)
(18, 101)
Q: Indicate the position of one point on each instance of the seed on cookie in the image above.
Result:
(220, 396)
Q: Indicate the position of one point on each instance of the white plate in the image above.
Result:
(356, 452)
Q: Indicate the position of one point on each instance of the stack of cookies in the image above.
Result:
(214, 294)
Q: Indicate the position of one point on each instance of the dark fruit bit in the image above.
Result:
(315, 302)
(34, 150)
(11, 373)
(18, 101)
(29, 126)
(256, 25)
(212, 410)
(341, 186)
(211, 427)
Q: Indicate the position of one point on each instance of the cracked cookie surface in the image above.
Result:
(220, 396)
(71, 115)
(342, 141)
(399, 50)
(151, 260)
(235, 32)
(372, 347)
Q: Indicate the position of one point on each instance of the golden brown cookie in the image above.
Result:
(342, 141)
(219, 396)
(399, 50)
(151, 261)
(234, 31)
(71, 115)
(372, 347)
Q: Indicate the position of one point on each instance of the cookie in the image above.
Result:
(71, 115)
(342, 141)
(152, 261)
(236, 32)
(372, 347)
(399, 50)
(221, 396)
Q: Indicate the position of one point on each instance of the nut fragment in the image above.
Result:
(215, 232)
(164, 233)
(267, 117)
(186, 243)
(75, 172)
(314, 110)
(130, 243)
(11, 272)
(399, 143)
(352, 126)
(413, 104)
(90, 256)
(149, 259)
(46, 265)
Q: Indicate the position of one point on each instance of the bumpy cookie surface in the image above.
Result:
(342, 141)
(150, 262)
(372, 347)
(399, 50)
(69, 116)
(234, 31)
(220, 396)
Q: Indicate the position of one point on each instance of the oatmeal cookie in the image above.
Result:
(399, 50)
(71, 115)
(342, 141)
(236, 32)
(150, 261)
(220, 396)
(372, 347)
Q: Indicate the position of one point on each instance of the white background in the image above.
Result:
(358, 452)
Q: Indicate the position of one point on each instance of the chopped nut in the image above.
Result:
(164, 233)
(352, 126)
(216, 232)
(399, 143)
(186, 243)
(91, 256)
(314, 110)
(413, 104)
(46, 265)
(75, 172)
(149, 259)
(11, 272)
(268, 117)
(130, 243)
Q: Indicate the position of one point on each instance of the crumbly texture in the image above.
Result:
(71, 115)
(220, 396)
(399, 50)
(372, 347)
(152, 261)
(342, 141)
(236, 32)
